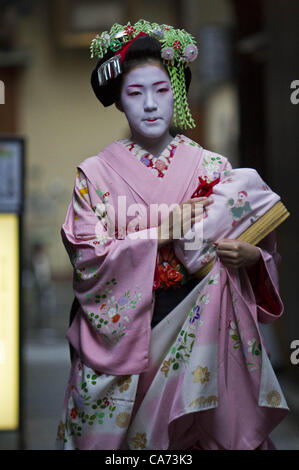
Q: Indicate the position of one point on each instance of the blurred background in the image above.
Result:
(243, 98)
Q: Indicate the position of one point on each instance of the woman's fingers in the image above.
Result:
(198, 200)
(231, 264)
(227, 254)
(236, 263)
(188, 213)
(195, 208)
(227, 245)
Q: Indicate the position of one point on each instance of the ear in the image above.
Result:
(119, 106)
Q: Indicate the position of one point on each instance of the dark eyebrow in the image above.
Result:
(140, 86)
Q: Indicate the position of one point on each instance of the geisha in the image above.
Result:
(165, 342)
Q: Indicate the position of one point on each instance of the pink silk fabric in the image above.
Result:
(202, 377)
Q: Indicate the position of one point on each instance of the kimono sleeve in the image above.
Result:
(265, 282)
(228, 218)
(113, 283)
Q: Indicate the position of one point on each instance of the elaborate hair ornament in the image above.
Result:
(178, 50)
(109, 69)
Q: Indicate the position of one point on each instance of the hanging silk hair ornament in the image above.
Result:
(109, 69)
(178, 50)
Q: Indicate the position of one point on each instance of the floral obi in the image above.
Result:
(170, 273)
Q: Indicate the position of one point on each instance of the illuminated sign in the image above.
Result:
(9, 321)
(2, 92)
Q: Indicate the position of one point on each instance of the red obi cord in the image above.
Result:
(204, 188)
(123, 50)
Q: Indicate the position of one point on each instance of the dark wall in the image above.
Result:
(282, 147)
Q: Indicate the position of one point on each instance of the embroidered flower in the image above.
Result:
(216, 175)
(123, 419)
(111, 312)
(160, 165)
(169, 272)
(123, 300)
(214, 279)
(190, 52)
(205, 260)
(148, 159)
(106, 401)
(233, 332)
(100, 209)
(103, 239)
(169, 276)
(205, 401)
(111, 300)
(124, 383)
(130, 30)
(145, 161)
(165, 367)
(211, 165)
(177, 44)
(205, 299)
(115, 318)
(139, 441)
(201, 374)
(254, 348)
(274, 398)
(197, 314)
(167, 53)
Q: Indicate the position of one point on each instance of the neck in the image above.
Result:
(154, 146)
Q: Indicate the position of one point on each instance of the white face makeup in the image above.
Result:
(147, 101)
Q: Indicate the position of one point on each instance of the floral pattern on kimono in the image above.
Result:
(158, 164)
(104, 304)
(151, 399)
(170, 272)
(96, 402)
(212, 363)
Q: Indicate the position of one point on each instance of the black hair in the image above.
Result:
(144, 49)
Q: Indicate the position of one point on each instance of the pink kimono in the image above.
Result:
(202, 377)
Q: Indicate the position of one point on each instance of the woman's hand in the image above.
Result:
(184, 218)
(235, 253)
